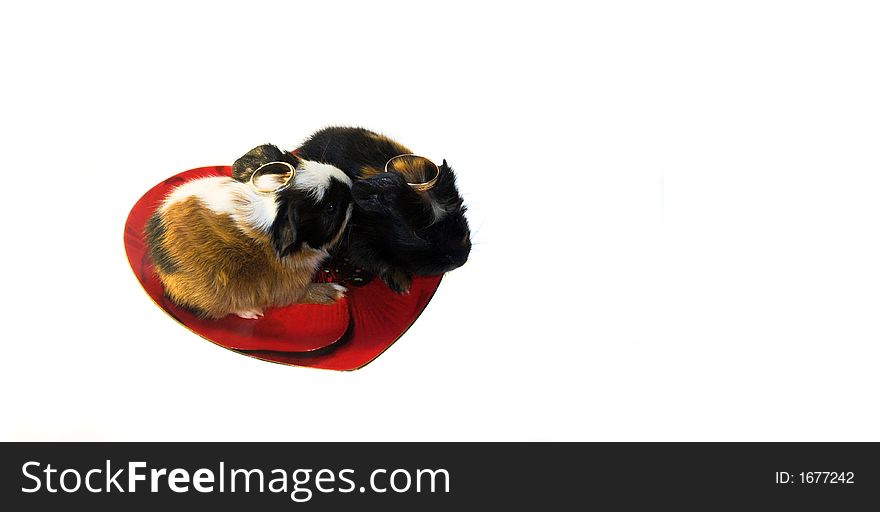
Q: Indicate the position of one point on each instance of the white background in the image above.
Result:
(675, 210)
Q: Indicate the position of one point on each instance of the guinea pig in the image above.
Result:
(408, 219)
(221, 246)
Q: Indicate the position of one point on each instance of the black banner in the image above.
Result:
(419, 476)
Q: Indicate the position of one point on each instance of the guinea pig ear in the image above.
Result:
(245, 166)
(284, 231)
(445, 169)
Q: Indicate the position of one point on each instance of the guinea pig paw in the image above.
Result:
(325, 293)
(399, 282)
(250, 314)
(340, 290)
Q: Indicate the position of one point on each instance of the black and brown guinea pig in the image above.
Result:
(222, 247)
(398, 228)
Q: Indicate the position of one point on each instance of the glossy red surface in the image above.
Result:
(378, 317)
(342, 336)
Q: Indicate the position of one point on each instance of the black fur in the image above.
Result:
(154, 232)
(301, 219)
(393, 233)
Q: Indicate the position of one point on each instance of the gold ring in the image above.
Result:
(418, 187)
(291, 173)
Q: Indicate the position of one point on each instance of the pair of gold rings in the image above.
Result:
(290, 174)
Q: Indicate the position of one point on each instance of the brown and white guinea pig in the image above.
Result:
(223, 247)
(396, 231)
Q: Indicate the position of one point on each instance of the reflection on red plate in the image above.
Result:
(378, 317)
(345, 335)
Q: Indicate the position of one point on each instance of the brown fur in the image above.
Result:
(223, 267)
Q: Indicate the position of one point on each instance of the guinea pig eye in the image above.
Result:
(330, 208)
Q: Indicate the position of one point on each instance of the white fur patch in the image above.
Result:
(246, 206)
(260, 211)
(210, 192)
(227, 196)
(314, 177)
